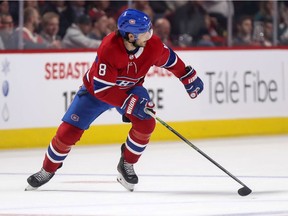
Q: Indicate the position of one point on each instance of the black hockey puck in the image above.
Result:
(244, 191)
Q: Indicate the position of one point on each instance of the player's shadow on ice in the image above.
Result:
(155, 192)
(111, 189)
(167, 193)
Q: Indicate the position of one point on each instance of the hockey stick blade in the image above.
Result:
(244, 191)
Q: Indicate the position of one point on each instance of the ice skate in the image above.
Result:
(127, 176)
(38, 179)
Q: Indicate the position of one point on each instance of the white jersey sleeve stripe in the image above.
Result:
(103, 81)
(102, 89)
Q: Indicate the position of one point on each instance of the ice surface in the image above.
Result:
(174, 179)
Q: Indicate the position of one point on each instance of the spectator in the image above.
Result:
(31, 40)
(31, 3)
(162, 29)
(220, 8)
(78, 8)
(14, 11)
(2, 47)
(4, 7)
(100, 25)
(50, 28)
(263, 26)
(105, 6)
(187, 21)
(7, 29)
(265, 12)
(244, 31)
(219, 24)
(160, 9)
(283, 26)
(204, 39)
(258, 32)
(245, 7)
(112, 24)
(65, 12)
(77, 35)
(143, 6)
(173, 5)
(102, 5)
(268, 33)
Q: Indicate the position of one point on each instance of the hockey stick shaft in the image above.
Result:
(194, 147)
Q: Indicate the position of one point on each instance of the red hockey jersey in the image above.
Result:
(115, 70)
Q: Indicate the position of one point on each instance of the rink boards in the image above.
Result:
(246, 93)
(111, 134)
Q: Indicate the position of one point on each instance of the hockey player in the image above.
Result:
(115, 80)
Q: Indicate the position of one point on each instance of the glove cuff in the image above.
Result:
(129, 103)
(189, 77)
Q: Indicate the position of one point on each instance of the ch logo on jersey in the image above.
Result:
(126, 82)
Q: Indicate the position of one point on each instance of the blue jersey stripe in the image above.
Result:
(171, 59)
(100, 86)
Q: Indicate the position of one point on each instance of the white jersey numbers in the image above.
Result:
(102, 69)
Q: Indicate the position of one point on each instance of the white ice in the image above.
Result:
(174, 179)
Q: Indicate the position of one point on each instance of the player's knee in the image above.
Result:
(150, 125)
(67, 135)
(139, 136)
(146, 126)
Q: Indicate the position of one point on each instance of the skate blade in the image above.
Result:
(30, 188)
(125, 184)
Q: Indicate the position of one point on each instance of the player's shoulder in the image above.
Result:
(155, 40)
(110, 43)
(156, 44)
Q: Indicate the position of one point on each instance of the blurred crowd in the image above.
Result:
(83, 24)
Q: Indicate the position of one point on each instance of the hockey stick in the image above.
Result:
(244, 191)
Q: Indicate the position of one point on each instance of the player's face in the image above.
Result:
(144, 37)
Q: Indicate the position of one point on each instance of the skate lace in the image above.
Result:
(129, 168)
(42, 175)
